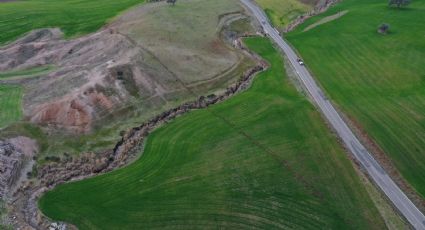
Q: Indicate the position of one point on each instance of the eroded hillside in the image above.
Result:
(141, 63)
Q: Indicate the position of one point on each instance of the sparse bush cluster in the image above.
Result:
(384, 28)
(398, 3)
(173, 2)
(52, 158)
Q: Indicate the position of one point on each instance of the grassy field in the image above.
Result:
(263, 159)
(283, 12)
(10, 104)
(379, 80)
(186, 38)
(74, 17)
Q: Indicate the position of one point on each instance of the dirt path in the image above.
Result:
(326, 20)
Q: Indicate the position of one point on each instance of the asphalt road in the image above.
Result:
(376, 172)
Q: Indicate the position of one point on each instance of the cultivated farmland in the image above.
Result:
(379, 80)
(263, 159)
(74, 17)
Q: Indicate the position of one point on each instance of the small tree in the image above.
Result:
(384, 28)
(399, 3)
(173, 2)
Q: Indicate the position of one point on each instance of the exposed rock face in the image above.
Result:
(93, 75)
(10, 166)
(15, 154)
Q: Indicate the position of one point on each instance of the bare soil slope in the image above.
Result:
(130, 62)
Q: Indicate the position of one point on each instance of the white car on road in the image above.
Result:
(300, 61)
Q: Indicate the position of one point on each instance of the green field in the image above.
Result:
(10, 104)
(74, 17)
(263, 159)
(378, 80)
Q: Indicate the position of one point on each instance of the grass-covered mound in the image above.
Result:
(263, 159)
(379, 80)
(10, 104)
(72, 16)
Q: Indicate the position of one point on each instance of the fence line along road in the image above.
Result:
(373, 168)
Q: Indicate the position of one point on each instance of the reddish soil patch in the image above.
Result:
(101, 99)
(65, 113)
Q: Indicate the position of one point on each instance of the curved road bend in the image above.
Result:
(376, 172)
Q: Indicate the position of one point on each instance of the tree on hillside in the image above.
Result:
(399, 3)
(173, 2)
(384, 28)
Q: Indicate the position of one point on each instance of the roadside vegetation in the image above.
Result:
(74, 17)
(10, 104)
(281, 13)
(263, 159)
(376, 76)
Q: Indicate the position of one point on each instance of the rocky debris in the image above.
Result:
(57, 226)
(85, 165)
(11, 162)
(16, 160)
(15, 154)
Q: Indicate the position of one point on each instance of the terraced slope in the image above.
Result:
(263, 159)
(379, 80)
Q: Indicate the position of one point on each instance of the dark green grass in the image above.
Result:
(10, 104)
(74, 17)
(379, 80)
(263, 159)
